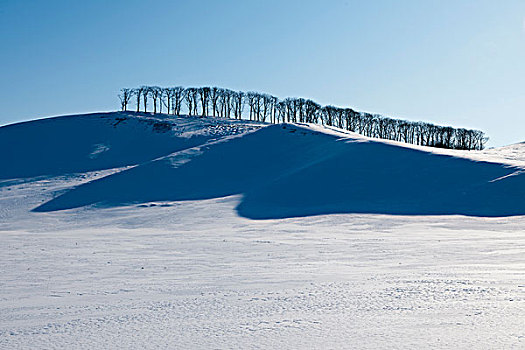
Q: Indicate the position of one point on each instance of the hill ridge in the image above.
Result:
(288, 170)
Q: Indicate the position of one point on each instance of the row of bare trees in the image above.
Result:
(225, 103)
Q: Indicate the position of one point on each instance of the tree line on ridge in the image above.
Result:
(262, 107)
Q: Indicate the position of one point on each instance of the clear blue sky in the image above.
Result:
(459, 63)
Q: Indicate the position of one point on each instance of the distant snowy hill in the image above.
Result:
(284, 170)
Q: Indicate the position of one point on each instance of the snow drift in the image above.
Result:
(281, 171)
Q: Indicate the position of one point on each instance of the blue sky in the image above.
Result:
(459, 63)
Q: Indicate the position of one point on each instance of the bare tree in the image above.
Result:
(328, 114)
(311, 110)
(204, 94)
(161, 98)
(155, 94)
(257, 106)
(251, 97)
(268, 102)
(281, 111)
(274, 101)
(225, 102)
(229, 94)
(238, 104)
(351, 118)
(214, 98)
(168, 93)
(221, 100)
(339, 117)
(138, 94)
(301, 105)
(125, 96)
(195, 93)
(191, 98)
(178, 96)
(145, 95)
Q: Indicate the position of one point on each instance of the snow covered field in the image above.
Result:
(166, 254)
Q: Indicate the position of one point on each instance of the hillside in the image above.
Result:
(80, 143)
(282, 170)
(137, 231)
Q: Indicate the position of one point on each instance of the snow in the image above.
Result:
(167, 254)
(81, 143)
(293, 170)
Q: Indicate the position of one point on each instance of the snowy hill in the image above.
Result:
(281, 170)
(128, 230)
(80, 143)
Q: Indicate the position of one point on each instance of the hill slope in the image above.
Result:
(80, 143)
(281, 170)
(176, 271)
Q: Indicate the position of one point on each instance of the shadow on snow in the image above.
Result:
(289, 171)
(81, 143)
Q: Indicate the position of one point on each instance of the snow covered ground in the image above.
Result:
(157, 246)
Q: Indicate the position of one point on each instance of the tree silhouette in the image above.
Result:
(125, 96)
(263, 107)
